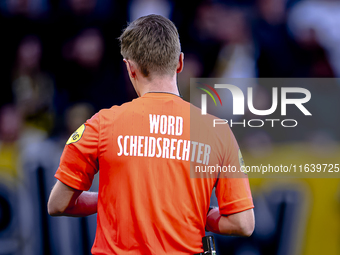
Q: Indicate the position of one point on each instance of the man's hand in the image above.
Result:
(66, 201)
(238, 224)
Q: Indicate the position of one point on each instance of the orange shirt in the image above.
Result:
(149, 201)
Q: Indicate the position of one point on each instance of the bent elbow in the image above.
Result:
(247, 230)
(238, 224)
(247, 224)
(53, 210)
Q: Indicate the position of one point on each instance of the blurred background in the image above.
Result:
(60, 63)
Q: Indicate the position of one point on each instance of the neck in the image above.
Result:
(158, 84)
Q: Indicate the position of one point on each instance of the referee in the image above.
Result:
(147, 201)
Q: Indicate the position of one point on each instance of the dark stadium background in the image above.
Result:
(60, 63)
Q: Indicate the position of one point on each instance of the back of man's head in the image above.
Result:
(153, 43)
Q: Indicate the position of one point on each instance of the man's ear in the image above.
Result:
(180, 64)
(131, 68)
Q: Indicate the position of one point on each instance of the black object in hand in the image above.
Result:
(209, 245)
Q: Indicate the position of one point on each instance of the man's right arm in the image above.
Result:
(235, 215)
(237, 224)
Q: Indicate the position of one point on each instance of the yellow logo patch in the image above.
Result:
(75, 137)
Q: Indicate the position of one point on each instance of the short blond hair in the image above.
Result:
(153, 43)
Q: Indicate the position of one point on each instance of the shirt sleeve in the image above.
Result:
(232, 190)
(79, 161)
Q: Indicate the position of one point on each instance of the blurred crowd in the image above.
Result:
(60, 63)
(58, 53)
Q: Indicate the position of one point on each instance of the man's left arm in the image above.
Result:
(67, 201)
